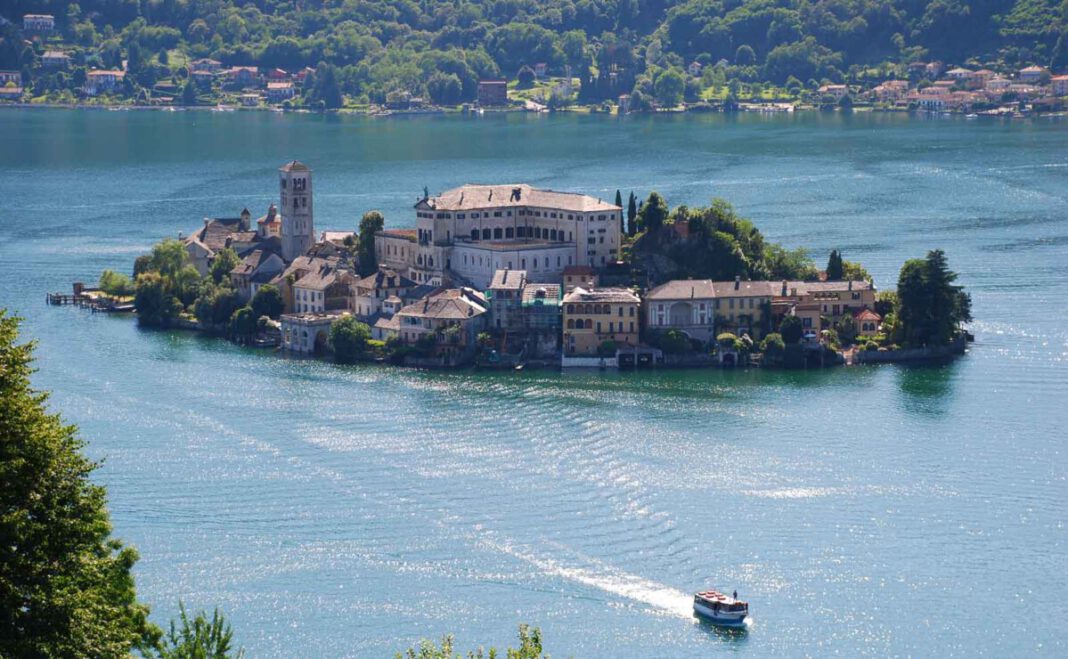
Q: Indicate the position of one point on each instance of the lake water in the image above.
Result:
(351, 511)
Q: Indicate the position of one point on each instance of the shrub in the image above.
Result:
(117, 284)
(607, 349)
(673, 342)
(773, 345)
(267, 302)
(348, 339)
(726, 340)
(791, 330)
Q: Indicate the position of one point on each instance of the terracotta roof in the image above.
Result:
(215, 232)
(474, 197)
(321, 276)
(448, 304)
(390, 323)
(407, 234)
(252, 262)
(682, 289)
(271, 217)
(381, 279)
(580, 294)
(807, 287)
(547, 293)
(729, 289)
(294, 166)
(579, 270)
(508, 279)
(867, 314)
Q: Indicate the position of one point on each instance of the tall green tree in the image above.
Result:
(632, 215)
(931, 307)
(189, 93)
(834, 266)
(653, 212)
(66, 586)
(370, 223)
(622, 222)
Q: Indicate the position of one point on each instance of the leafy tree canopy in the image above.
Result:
(66, 587)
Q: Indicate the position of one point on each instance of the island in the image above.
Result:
(512, 276)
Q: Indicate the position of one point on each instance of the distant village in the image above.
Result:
(931, 87)
(511, 275)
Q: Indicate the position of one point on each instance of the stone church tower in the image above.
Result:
(295, 191)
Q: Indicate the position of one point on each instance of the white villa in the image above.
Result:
(466, 234)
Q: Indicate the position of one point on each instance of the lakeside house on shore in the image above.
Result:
(598, 321)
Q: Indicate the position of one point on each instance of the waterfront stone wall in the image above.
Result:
(910, 354)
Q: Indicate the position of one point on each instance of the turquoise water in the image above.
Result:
(350, 511)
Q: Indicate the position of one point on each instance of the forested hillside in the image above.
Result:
(442, 47)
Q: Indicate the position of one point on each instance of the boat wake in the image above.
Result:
(663, 598)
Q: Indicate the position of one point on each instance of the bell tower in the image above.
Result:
(295, 194)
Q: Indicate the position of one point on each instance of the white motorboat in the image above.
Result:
(721, 609)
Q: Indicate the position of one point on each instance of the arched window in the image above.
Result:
(485, 234)
(430, 261)
(509, 233)
(571, 308)
(570, 323)
(588, 309)
(497, 233)
(474, 234)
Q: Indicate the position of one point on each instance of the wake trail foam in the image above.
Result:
(606, 578)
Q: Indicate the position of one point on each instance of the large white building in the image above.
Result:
(470, 232)
(295, 193)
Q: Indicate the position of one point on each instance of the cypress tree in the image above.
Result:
(619, 202)
(835, 266)
(66, 589)
(632, 215)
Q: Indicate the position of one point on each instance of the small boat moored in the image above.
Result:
(721, 609)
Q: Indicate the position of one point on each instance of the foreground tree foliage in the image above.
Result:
(197, 638)
(529, 648)
(66, 588)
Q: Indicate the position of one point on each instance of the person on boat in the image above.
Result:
(736, 594)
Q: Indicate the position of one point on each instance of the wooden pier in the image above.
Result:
(90, 298)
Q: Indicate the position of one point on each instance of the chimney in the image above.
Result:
(784, 288)
(737, 282)
(850, 284)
